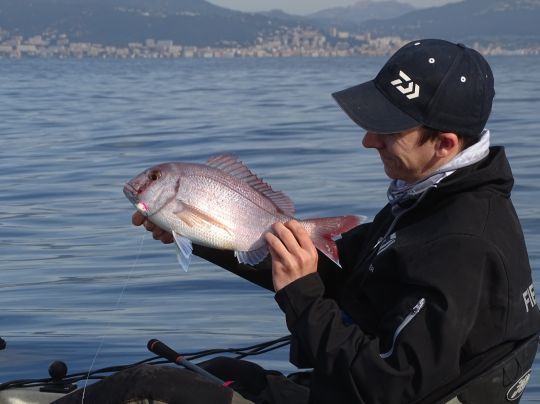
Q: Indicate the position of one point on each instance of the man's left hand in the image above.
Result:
(293, 253)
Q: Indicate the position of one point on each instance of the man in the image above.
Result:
(435, 296)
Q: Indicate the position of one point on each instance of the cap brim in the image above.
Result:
(371, 110)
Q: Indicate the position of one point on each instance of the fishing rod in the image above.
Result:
(60, 379)
(160, 349)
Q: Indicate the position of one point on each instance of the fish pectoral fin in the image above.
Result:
(184, 250)
(194, 217)
(252, 257)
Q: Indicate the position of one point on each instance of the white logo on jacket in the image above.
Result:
(385, 243)
(411, 91)
(529, 298)
(516, 390)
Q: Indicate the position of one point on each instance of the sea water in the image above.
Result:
(80, 284)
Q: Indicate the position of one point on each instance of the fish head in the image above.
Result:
(152, 189)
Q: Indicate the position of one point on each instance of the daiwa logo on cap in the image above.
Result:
(411, 91)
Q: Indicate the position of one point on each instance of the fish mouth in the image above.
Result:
(131, 193)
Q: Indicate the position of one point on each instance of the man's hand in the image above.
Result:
(293, 253)
(157, 232)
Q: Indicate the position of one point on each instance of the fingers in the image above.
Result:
(291, 237)
(301, 235)
(138, 218)
(278, 251)
(158, 233)
(293, 253)
(166, 238)
(283, 240)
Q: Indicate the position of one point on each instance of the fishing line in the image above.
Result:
(115, 308)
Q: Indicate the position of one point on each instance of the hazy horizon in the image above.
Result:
(309, 6)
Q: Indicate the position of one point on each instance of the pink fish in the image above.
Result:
(222, 204)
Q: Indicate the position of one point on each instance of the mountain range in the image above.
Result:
(118, 22)
(504, 21)
(350, 17)
(198, 22)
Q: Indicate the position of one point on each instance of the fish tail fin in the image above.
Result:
(324, 232)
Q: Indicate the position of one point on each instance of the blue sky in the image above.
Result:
(307, 6)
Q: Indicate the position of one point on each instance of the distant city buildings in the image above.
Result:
(284, 43)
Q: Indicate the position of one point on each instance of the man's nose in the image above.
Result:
(372, 140)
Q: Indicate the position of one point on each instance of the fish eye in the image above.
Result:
(154, 175)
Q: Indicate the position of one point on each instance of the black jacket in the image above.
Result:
(422, 302)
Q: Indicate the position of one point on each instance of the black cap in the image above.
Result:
(428, 82)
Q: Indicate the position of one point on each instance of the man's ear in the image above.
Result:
(448, 144)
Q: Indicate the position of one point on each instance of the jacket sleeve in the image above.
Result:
(261, 274)
(422, 336)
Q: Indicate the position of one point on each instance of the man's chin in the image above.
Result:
(390, 173)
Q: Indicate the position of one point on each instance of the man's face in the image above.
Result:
(402, 155)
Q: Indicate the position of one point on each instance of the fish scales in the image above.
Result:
(232, 204)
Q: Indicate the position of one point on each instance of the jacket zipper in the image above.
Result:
(415, 310)
(384, 239)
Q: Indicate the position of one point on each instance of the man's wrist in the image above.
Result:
(294, 298)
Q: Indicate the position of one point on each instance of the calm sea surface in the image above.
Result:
(78, 281)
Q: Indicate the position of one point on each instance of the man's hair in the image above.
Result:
(428, 133)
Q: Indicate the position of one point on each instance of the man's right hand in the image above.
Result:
(157, 232)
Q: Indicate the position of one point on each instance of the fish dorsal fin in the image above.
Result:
(231, 165)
